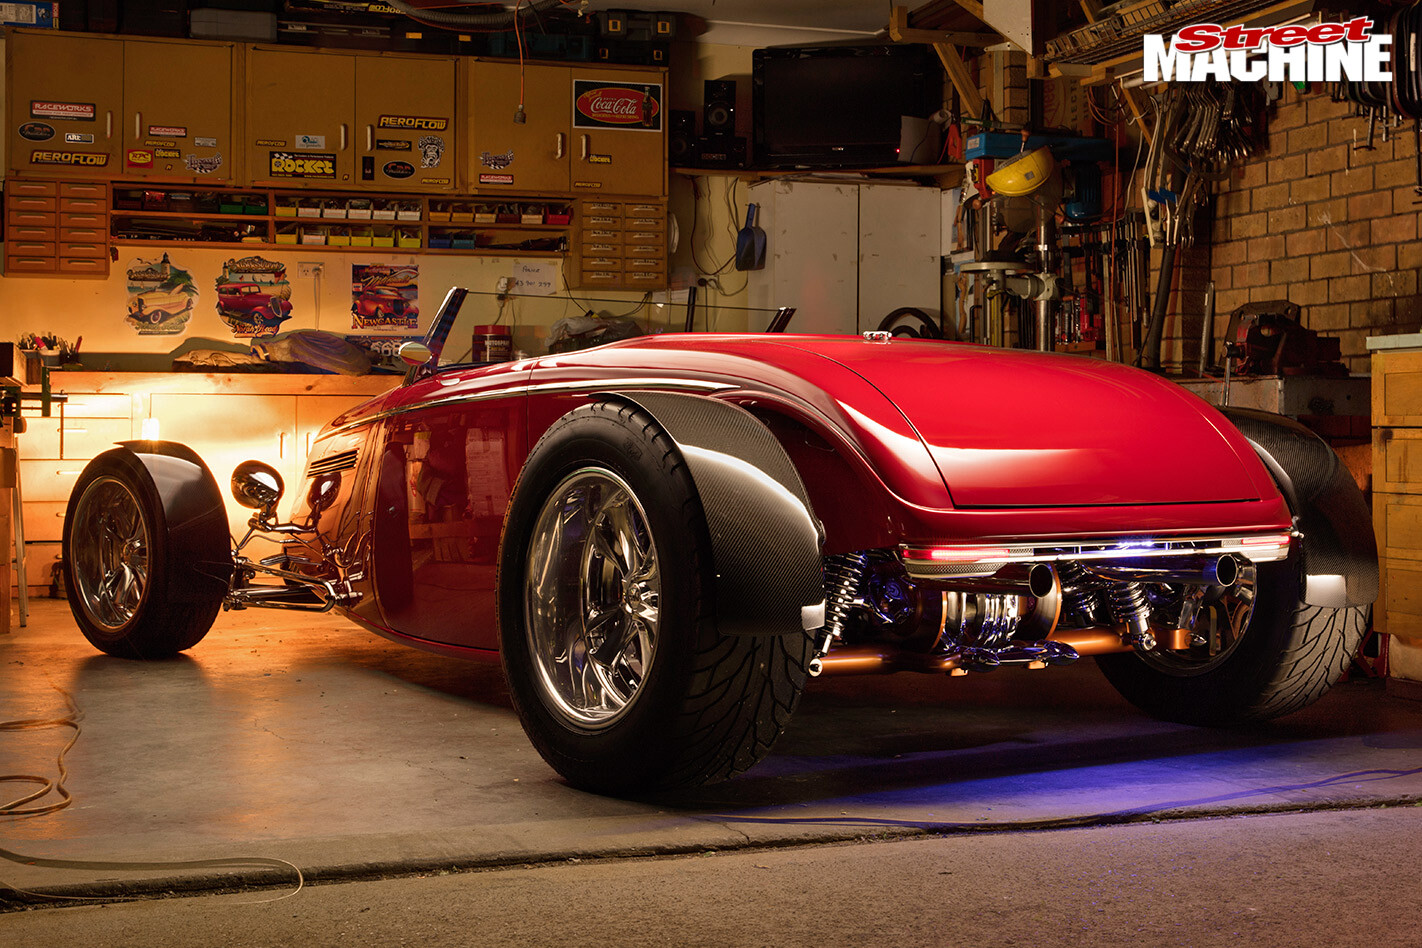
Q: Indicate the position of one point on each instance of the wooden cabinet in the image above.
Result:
(406, 124)
(531, 156)
(846, 253)
(300, 108)
(99, 107)
(1397, 505)
(586, 129)
(373, 121)
(177, 122)
(621, 147)
(224, 114)
(53, 451)
(65, 104)
(226, 418)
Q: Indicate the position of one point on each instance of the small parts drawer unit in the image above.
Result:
(620, 245)
(56, 227)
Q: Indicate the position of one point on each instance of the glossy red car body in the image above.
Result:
(898, 442)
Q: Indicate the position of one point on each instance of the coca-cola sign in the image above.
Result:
(625, 105)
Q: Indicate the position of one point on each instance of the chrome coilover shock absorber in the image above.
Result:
(1079, 589)
(1129, 606)
(844, 578)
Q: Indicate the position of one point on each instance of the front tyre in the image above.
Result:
(617, 671)
(1258, 653)
(130, 597)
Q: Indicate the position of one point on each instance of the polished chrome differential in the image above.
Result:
(592, 598)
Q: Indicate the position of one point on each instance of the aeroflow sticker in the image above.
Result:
(421, 123)
(86, 159)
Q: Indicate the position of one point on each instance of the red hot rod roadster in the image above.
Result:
(662, 539)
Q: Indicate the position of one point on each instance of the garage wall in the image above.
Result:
(702, 204)
(1299, 223)
(94, 309)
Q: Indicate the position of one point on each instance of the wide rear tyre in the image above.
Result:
(1260, 653)
(130, 596)
(616, 668)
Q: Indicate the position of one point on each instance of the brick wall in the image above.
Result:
(1308, 222)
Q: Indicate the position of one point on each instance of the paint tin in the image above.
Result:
(492, 343)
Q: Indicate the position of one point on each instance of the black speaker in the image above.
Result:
(718, 115)
(681, 142)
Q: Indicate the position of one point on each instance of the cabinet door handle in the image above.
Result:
(108, 124)
(343, 136)
(370, 138)
(558, 148)
(586, 145)
(137, 126)
(281, 444)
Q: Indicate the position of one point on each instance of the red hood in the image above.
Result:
(1010, 428)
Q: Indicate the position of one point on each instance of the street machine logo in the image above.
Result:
(1323, 52)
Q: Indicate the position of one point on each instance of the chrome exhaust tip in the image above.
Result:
(1222, 570)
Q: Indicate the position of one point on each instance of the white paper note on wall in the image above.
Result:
(535, 278)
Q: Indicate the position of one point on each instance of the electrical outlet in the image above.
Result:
(503, 285)
(309, 269)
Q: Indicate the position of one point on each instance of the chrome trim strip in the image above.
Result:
(597, 385)
(640, 384)
(1093, 550)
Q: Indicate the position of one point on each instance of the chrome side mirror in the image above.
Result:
(257, 485)
(415, 353)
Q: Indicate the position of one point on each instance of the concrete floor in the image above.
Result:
(1226, 882)
(306, 739)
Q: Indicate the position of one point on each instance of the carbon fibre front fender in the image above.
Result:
(1340, 553)
(765, 537)
(193, 512)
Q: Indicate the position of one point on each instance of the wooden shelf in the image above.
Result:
(272, 223)
(183, 215)
(441, 225)
(755, 174)
(214, 244)
(484, 252)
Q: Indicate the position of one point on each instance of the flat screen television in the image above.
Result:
(843, 106)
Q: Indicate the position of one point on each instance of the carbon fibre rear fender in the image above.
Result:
(765, 537)
(1340, 554)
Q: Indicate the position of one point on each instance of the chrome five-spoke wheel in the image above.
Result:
(111, 556)
(608, 633)
(592, 597)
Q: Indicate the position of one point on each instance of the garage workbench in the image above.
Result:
(225, 417)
